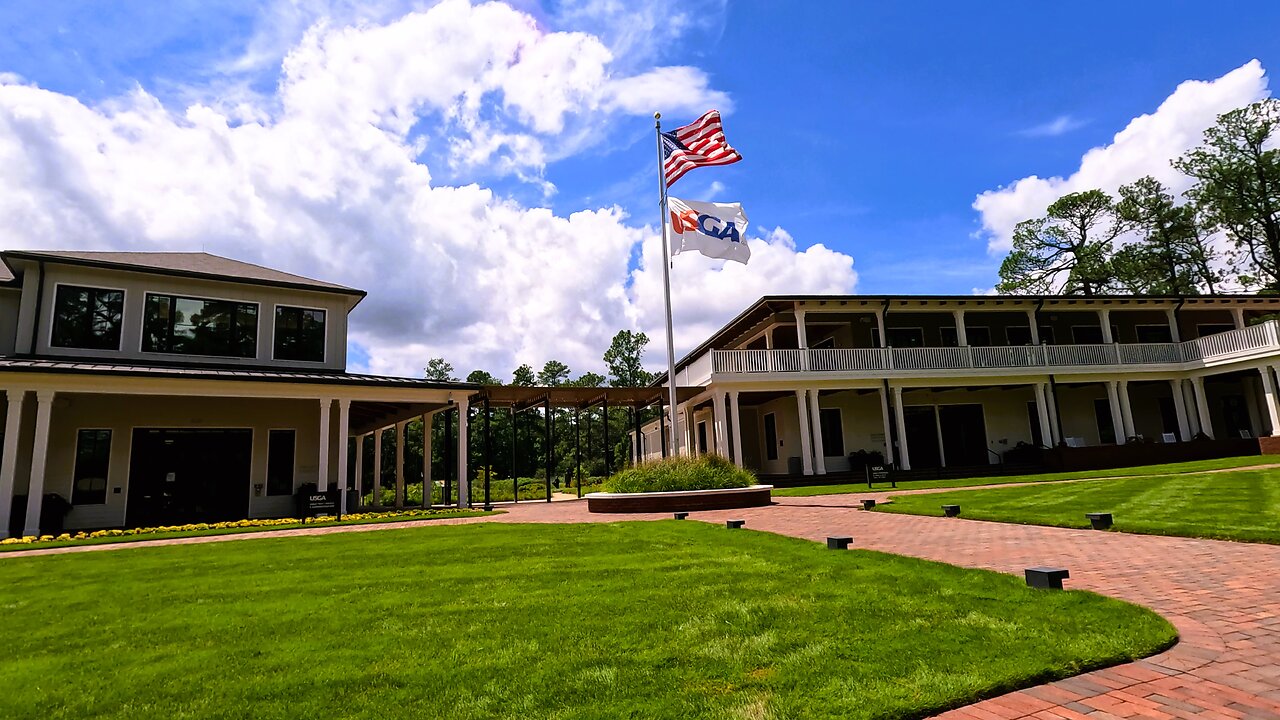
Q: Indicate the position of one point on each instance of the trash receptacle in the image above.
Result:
(53, 513)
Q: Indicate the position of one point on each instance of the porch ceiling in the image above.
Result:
(367, 416)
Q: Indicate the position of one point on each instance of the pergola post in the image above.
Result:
(488, 455)
(359, 471)
(446, 454)
(546, 419)
(401, 430)
(577, 448)
(377, 468)
(428, 482)
(639, 445)
(515, 472)
(464, 482)
(608, 451)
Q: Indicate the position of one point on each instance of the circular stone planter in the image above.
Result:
(685, 500)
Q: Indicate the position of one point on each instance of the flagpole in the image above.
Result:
(666, 289)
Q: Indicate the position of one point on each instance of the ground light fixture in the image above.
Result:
(868, 504)
(1046, 578)
(838, 542)
(681, 515)
(734, 524)
(951, 510)
(1099, 520)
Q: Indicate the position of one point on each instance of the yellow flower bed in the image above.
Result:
(196, 527)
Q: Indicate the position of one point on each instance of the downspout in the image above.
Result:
(35, 321)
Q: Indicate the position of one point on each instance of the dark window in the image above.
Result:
(832, 432)
(702, 438)
(190, 326)
(824, 344)
(1207, 330)
(1106, 426)
(1086, 335)
(280, 446)
(905, 337)
(93, 456)
(1153, 333)
(85, 317)
(1018, 335)
(1046, 334)
(770, 437)
(978, 336)
(947, 335)
(299, 334)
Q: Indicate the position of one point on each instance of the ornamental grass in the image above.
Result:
(707, 472)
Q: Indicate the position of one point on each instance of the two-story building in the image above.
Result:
(164, 388)
(817, 384)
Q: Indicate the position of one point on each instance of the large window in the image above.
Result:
(280, 445)
(832, 432)
(299, 334)
(93, 456)
(85, 317)
(191, 326)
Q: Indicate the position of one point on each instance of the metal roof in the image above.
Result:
(97, 367)
(184, 264)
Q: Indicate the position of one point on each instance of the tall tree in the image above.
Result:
(1172, 254)
(625, 359)
(482, 377)
(439, 369)
(524, 376)
(1237, 175)
(1067, 250)
(588, 379)
(553, 373)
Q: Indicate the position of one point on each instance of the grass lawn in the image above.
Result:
(1164, 469)
(1241, 505)
(642, 620)
(107, 540)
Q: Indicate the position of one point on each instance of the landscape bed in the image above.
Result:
(707, 482)
(1236, 505)
(657, 620)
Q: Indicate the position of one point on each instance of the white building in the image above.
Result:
(162, 388)
(797, 384)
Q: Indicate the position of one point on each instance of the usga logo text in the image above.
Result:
(705, 224)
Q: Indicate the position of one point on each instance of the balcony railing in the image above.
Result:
(1222, 346)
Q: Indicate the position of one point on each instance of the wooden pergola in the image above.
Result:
(519, 398)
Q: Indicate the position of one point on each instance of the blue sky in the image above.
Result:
(868, 128)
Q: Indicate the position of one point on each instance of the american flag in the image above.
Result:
(697, 144)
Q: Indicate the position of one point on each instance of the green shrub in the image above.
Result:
(708, 472)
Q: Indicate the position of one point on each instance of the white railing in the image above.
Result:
(1227, 345)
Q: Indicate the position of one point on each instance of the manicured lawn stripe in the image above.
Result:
(1163, 469)
(1240, 505)
(642, 620)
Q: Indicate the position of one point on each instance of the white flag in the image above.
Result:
(713, 229)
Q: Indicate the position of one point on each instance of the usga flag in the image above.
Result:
(713, 229)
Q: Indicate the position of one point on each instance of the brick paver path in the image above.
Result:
(1223, 597)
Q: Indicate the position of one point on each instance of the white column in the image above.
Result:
(1202, 406)
(1269, 399)
(402, 429)
(888, 429)
(815, 423)
(962, 337)
(1035, 327)
(1055, 430)
(9, 461)
(1172, 316)
(464, 482)
(377, 468)
(39, 458)
(1117, 419)
(802, 335)
(1042, 413)
(806, 451)
(735, 416)
(1237, 317)
(884, 340)
(360, 470)
(1104, 318)
(720, 423)
(1126, 410)
(691, 441)
(344, 420)
(1180, 408)
(904, 454)
(322, 470)
(1189, 399)
(428, 485)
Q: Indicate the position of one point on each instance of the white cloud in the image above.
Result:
(1144, 147)
(1060, 125)
(327, 178)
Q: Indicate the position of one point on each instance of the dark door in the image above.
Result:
(188, 475)
(1236, 416)
(964, 434)
(922, 436)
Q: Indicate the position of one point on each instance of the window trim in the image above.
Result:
(324, 356)
(142, 335)
(106, 492)
(266, 480)
(53, 315)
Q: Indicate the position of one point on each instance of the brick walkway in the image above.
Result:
(1223, 597)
